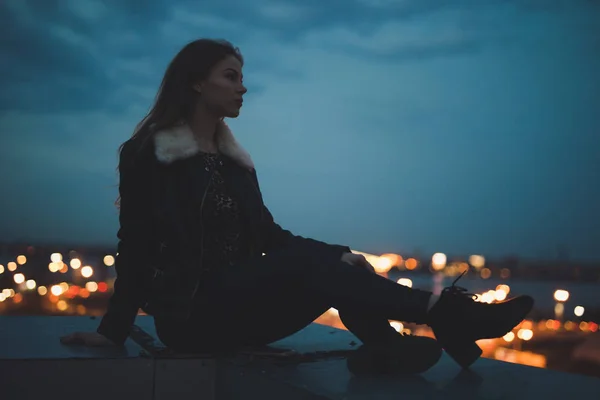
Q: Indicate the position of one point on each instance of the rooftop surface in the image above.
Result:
(34, 364)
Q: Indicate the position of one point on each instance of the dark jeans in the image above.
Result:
(274, 296)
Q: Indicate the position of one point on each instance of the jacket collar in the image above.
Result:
(178, 143)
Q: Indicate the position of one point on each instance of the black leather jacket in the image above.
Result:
(159, 263)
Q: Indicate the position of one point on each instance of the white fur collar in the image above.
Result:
(178, 143)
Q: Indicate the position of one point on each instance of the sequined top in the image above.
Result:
(223, 243)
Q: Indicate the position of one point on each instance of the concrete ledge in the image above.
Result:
(320, 372)
(34, 364)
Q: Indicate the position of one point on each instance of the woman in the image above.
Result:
(200, 252)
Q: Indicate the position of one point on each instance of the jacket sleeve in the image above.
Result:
(132, 253)
(277, 238)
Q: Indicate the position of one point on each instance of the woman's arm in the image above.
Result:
(132, 261)
(276, 237)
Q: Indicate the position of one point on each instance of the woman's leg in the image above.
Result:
(267, 300)
(368, 326)
(253, 302)
(234, 308)
(456, 319)
(274, 296)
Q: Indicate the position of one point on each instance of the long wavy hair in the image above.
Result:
(175, 100)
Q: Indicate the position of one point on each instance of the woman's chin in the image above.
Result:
(232, 113)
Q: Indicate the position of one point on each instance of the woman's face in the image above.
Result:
(222, 92)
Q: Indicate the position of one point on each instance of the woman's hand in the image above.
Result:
(90, 339)
(357, 259)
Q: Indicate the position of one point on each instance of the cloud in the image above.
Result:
(371, 113)
(435, 5)
(396, 37)
(387, 3)
(86, 141)
(59, 172)
(91, 11)
(283, 12)
(191, 24)
(61, 54)
(48, 62)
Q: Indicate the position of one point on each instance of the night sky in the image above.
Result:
(395, 125)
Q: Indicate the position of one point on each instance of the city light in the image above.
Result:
(19, 278)
(561, 295)
(505, 273)
(91, 286)
(56, 290)
(75, 263)
(488, 297)
(559, 310)
(509, 337)
(500, 295)
(87, 271)
(569, 325)
(477, 261)
(397, 325)
(109, 260)
(405, 282)
(525, 334)
(70, 295)
(503, 288)
(63, 268)
(411, 264)
(438, 261)
(395, 259)
(501, 292)
(381, 264)
(61, 305)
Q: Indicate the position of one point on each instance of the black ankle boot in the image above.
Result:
(404, 354)
(457, 321)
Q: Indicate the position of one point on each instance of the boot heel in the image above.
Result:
(464, 354)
